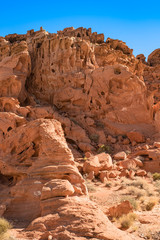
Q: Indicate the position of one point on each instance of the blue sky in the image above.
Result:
(135, 22)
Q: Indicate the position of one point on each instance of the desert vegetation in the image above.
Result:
(4, 227)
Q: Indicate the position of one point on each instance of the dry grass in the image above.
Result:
(150, 204)
(140, 193)
(157, 186)
(138, 187)
(126, 221)
(136, 191)
(4, 227)
(147, 203)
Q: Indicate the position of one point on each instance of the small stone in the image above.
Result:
(126, 141)
(120, 156)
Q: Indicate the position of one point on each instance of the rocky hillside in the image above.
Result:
(64, 98)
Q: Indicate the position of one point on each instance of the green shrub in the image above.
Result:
(104, 148)
(156, 176)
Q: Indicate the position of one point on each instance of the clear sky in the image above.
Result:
(135, 22)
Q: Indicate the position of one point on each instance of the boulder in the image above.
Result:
(120, 156)
(99, 162)
(92, 164)
(70, 211)
(127, 164)
(135, 136)
(122, 208)
(57, 188)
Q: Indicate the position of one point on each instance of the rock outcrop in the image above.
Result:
(62, 96)
(39, 178)
(15, 64)
(32, 156)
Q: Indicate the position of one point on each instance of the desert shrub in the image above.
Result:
(156, 176)
(125, 181)
(157, 186)
(137, 182)
(127, 220)
(147, 203)
(140, 183)
(4, 227)
(108, 184)
(104, 148)
(136, 191)
(150, 191)
(150, 205)
(139, 186)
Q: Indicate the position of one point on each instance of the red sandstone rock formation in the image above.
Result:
(96, 90)
(123, 208)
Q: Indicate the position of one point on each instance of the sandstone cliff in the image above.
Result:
(93, 89)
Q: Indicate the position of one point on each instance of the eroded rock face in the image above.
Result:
(96, 87)
(68, 72)
(70, 85)
(32, 156)
(154, 58)
(15, 67)
(64, 224)
(152, 74)
(39, 181)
